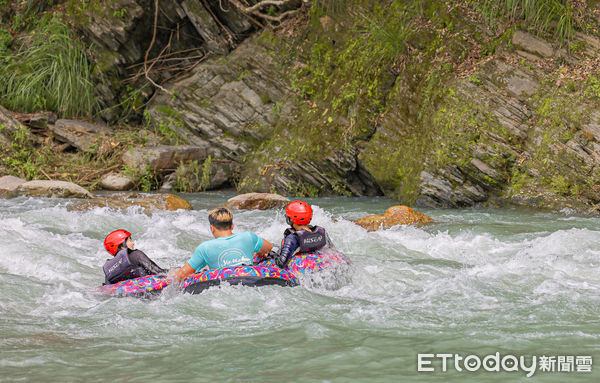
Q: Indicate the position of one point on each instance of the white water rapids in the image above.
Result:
(477, 282)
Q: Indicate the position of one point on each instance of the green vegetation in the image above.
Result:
(473, 79)
(146, 179)
(330, 7)
(50, 73)
(592, 89)
(28, 158)
(546, 16)
(22, 158)
(377, 38)
(190, 179)
(557, 168)
(341, 90)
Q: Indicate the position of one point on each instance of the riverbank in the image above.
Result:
(433, 104)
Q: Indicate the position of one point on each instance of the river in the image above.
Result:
(478, 283)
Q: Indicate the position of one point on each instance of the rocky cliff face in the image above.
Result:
(491, 134)
(462, 115)
(234, 104)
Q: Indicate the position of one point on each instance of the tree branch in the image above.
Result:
(146, 69)
(256, 9)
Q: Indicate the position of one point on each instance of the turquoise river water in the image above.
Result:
(482, 285)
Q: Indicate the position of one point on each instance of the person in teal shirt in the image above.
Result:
(227, 249)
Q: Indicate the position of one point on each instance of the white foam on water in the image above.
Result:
(474, 278)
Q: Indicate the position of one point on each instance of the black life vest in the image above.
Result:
(309, 240)
(120, 268)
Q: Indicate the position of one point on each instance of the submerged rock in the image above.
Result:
(257, 201)
(149, 202)
(395, 215)
(9, 184)
(53, 189)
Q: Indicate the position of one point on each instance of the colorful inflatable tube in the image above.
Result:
(265, 273)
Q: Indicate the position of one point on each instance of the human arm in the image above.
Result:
(183, 272)
(196, 262)
(138, 258)
(265, 248)
(288, 248)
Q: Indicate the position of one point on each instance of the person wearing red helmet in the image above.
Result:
(300, 237)
(128, 262)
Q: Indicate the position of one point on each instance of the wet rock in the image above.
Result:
(81, 135)
(395, 215)
(165, 157)
(257, 201)
(53, 189)
(533, 44)
(116, 182)
(446, 190)
(149, 202)
(339, 173)
(9, 184)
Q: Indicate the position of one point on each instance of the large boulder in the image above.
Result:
(9, 184)
(150, 202)
(116, 182)
(53, 189)
(395, 215)
(81, 135)
(257, 201)
(165, 157)
(226, 102)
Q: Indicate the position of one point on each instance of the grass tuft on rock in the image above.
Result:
(49, 72)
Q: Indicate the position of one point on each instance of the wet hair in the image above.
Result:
(221, 218)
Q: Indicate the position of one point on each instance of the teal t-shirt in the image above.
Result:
(235, 250)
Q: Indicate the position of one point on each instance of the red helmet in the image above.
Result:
(115, 239)
(298, 212)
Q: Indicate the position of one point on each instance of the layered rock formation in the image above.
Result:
(464, 118)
